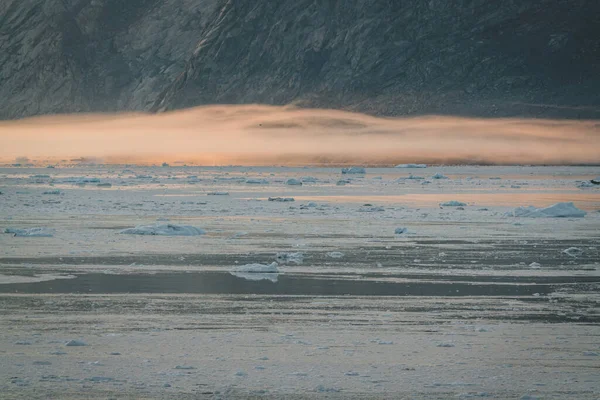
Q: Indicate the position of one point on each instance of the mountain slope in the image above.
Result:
(468, 57)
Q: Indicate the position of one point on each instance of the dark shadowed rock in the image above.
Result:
(466, 57)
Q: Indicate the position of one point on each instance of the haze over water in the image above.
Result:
(263, 135)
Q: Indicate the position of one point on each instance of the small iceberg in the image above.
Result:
(354, 170)
(558, 210)
(453, 203)
(257, 272)
(257, 181)
(282, 199)
(164, 230)
(293, 182)
(439, 176)
(30, 232)
(411, 166)
(286, 258)
(573, 251)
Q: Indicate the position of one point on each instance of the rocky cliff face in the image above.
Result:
(387, 57)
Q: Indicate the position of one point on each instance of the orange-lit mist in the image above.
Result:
(269, 135)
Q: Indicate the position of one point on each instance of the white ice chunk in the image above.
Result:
(30, 232)
(573, 251)
(285, 258)
(411, 166)
(293, 182)
(354, 170)
(164, 230)
(558, 210)
(257, 181)
(257, 268)
(453, 203)
(257, 272)
(282, 199)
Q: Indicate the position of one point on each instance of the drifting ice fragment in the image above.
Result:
(453, 203)
(354, 170)
(293, 182)
(573, 251)
(30, 232)
(164, 230)
(558, 210)
(411, 166)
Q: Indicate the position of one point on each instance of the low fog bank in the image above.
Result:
(269, 135)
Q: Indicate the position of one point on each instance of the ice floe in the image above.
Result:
(164, 230)
(293, 182)
(257, 181)
(354, 170)
(286, 258)
(30, 232)
(282, 199)
(75, 342)
(257, 272)
(453, 203)
(558, 210)
(439, 176)
(335, 254)
(411, 166)
(401, 230)
(573, 251)
(10, 279)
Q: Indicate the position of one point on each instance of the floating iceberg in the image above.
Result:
(558, 210)
(293, 182)
(257, 181)
(411, 166)
(281, 199)
(164, 230)
(285, 258)
(257, 272)
(31, 232)
(354, 170)
(453, 203)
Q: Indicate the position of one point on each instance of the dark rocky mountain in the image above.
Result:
(533, 58)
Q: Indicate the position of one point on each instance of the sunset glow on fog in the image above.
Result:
(263, 135)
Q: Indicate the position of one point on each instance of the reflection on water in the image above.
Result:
(225, 283)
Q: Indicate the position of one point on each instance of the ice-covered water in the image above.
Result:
(465, 301)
